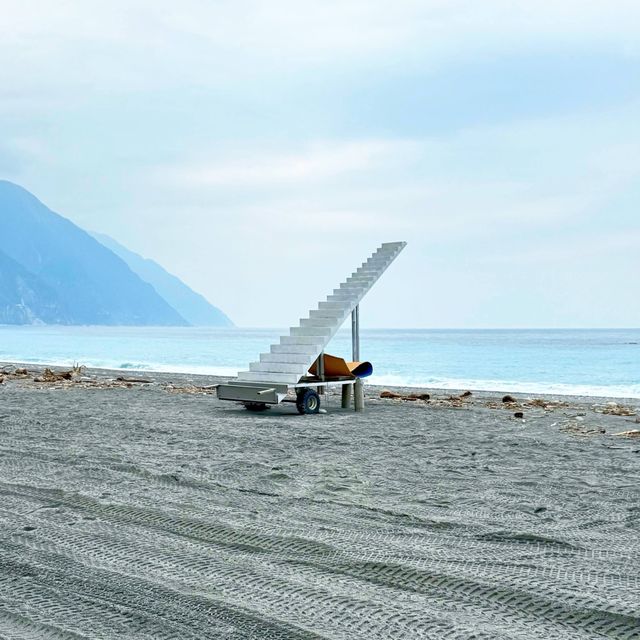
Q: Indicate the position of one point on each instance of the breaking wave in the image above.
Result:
(540, 388)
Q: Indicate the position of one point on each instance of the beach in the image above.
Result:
(147, 508)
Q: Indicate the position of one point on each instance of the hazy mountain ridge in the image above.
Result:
(25, 298)
(192, 306)
(51, 271)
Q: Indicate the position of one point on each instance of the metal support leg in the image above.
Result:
(321, 390)
(346, 395)
(358, 395)
(358, 387)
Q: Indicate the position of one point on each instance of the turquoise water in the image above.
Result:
(582, 362)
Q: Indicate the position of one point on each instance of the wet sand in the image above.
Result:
(154, 510)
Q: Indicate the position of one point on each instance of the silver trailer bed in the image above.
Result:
(257, 397)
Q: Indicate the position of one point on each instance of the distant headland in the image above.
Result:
(54, 272)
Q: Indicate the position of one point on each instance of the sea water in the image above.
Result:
(595, 362)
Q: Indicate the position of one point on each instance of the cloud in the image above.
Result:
(333, 27)
(581, 248)
(93, 46)
(538, 173)
(320, 161)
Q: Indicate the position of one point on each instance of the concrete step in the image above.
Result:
(326, 313)
(346, 296)
(354, 289)
(373, 266)
(307, 349)
(312, 332)
(268, 376)
(319, 322)
(377, 265)
(365, 280)
(279, 367)
(335, 305)
(301, 340)
(367, 271)
(289, 358)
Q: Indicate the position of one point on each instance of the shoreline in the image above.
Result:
(210, 379)
(569, 363)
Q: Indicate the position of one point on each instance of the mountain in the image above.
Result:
(52, 271)
(22, 293)
(193, 307)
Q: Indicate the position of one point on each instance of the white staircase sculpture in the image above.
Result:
(290, 359)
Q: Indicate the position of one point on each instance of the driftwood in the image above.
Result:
(412, 397)
(580, 429)
(462, 396)
(142, 380)
(632, 433)
(48, 375)
(615, 409)
(54, 376)
(458, 401)
(192, 389)
(547, 405)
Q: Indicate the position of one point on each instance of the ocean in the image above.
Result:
(588, 362)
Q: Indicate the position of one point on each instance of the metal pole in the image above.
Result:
(358, 387)
(355, 334)
(321, 371)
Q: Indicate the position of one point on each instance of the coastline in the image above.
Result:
(592, 363)
(371, 389)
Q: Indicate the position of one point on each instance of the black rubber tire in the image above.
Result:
(308, 401)
(255, 406)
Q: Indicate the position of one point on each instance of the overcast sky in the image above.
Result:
(260, 150)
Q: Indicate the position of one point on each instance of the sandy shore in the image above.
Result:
(154, 510)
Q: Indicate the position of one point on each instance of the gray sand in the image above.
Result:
(156, 511)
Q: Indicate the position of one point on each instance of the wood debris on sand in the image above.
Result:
(534, 403)
(455, 401)
(191, 389)
(547, 405)
(615, 409)
(576, 428)
(632, 433)
(53, 376)
(411, 397)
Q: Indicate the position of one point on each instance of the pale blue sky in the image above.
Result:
(261, 150)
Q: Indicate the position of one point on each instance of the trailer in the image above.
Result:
(285, 368)
(258, 397)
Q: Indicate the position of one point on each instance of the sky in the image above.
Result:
(261, 150)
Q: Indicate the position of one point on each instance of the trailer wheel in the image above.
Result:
(255, 406)
(308, 401)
